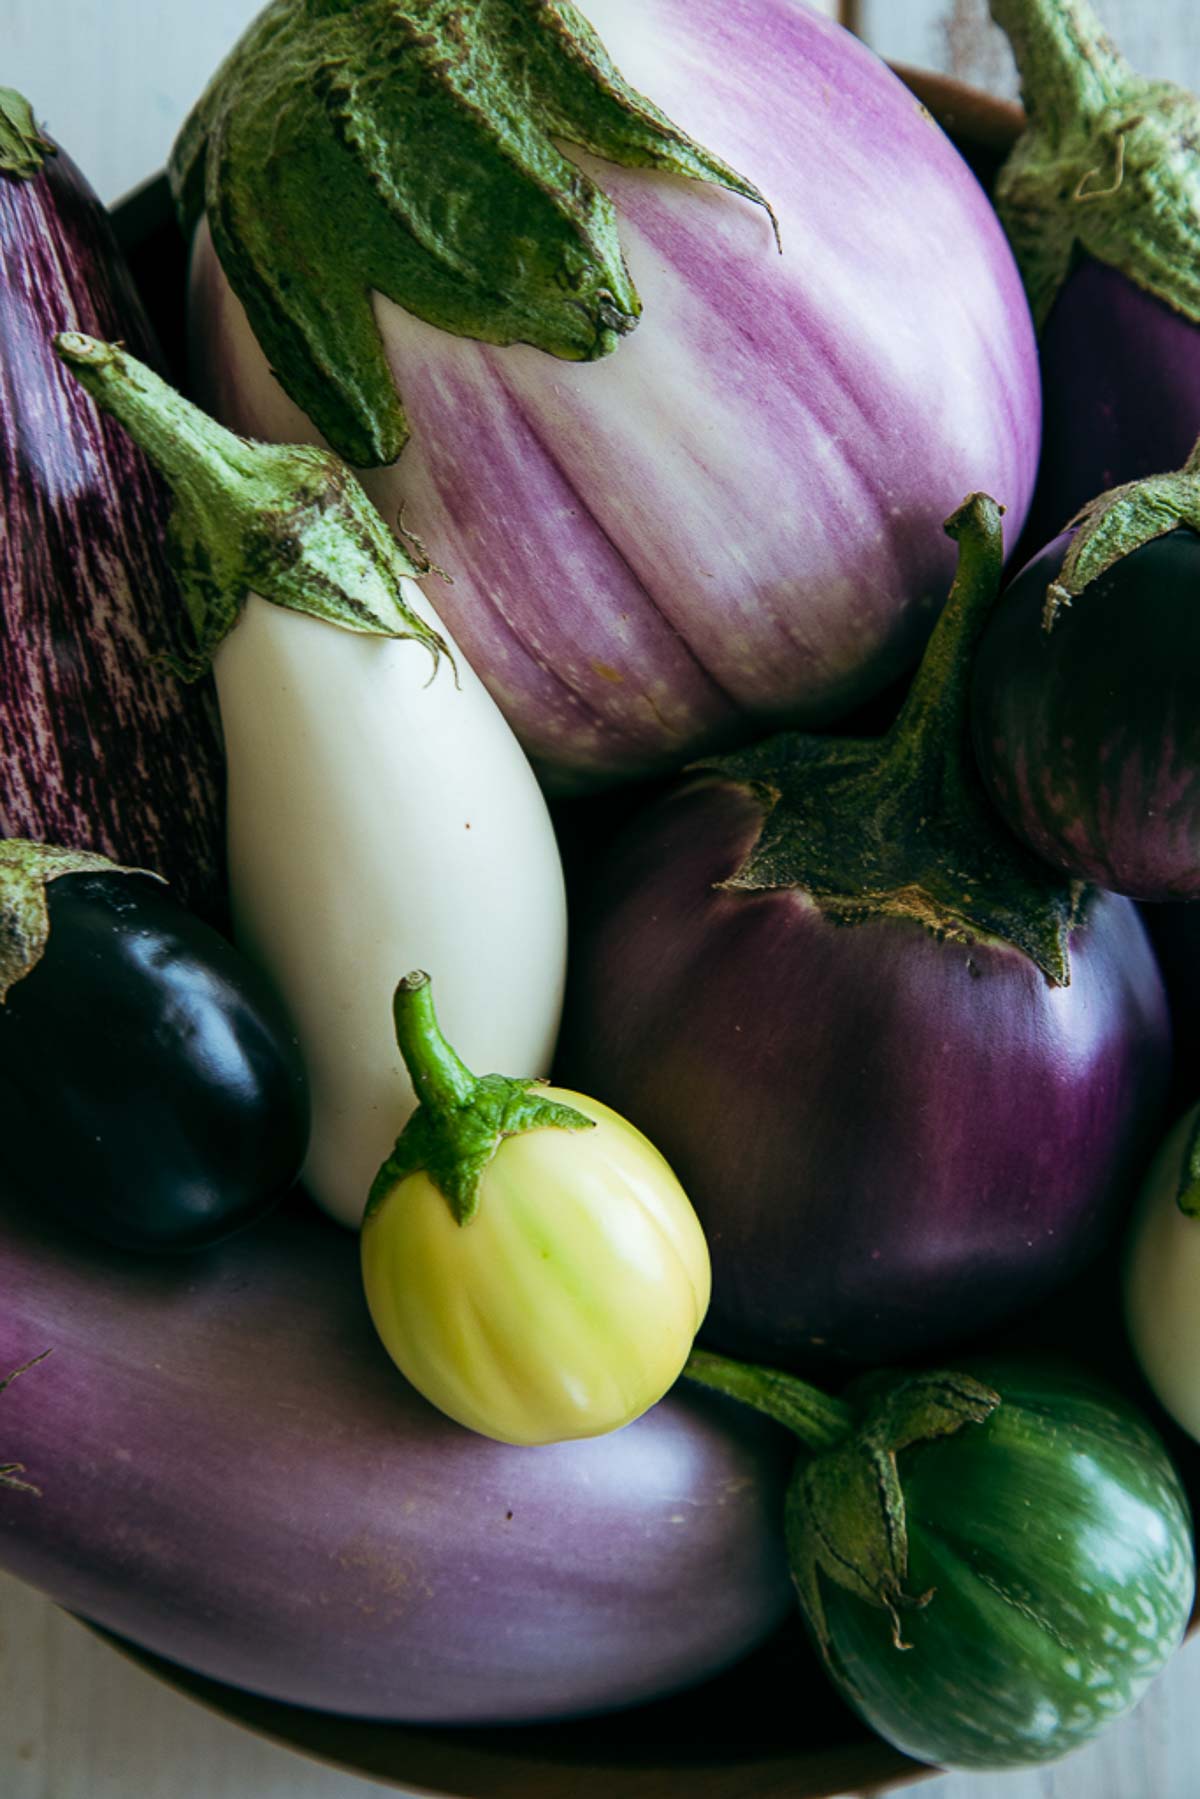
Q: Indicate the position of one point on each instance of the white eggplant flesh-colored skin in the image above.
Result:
(380, 821)
(1162, 1285)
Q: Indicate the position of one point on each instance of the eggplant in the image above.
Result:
(152, 1091)
(1086, 695)
(101, 745)
(732, 522)
(1101, 202)
(232, 1474)
(904, 1071)
(994, 1560)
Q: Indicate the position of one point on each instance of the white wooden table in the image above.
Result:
(112, 79)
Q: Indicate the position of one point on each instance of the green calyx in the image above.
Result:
(1109, 164)
(287, 522)
(412, 147)
(461, 1118)
(23, 149)
(846, 1517)
(1117, 523)
(26, 870)
(900, 826)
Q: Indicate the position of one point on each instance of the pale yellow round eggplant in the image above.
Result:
(566, 1302)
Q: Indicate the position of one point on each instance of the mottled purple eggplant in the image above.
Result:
(101, 746)
(1088, 732)
(905, 1072)
(1101, 202)
(230, 1472)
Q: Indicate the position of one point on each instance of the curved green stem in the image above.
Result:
(441, 1080)
(284, 521)
(1070, 70)
(1120, 522)
(818, 1420)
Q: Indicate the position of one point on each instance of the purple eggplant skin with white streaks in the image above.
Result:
(733, 521)
(230, 1473)
(101, 746)
(1087, 731)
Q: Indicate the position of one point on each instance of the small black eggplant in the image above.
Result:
(151, 1089)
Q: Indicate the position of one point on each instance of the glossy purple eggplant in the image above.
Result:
(1087, 718)
(1120, 394)
(152, 1089)
(101, 746)
(1101, 202)
(230, 1472)
(906, 1078)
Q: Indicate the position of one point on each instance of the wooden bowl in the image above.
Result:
(770, 1727)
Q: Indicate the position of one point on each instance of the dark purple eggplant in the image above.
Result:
(1101, 202)
(1086, 696)
(100, 744)
(905, 1072)
(230, 1472)
(152, 1091)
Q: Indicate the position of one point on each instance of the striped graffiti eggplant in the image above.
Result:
(101, 747)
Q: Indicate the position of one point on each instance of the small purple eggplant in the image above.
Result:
(1101, 202)
(1086, 695)
(907, 1073)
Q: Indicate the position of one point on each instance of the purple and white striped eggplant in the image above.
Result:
(905, 1072)
(733, 521)
(1101, 200)
(228, 1470)
(101, 747)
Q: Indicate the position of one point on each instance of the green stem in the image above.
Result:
(1070, 70)
(928, 749)
(817, 1419)
(285, 521)
(441, 1080)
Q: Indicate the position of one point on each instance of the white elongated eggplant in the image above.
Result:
(380, 810)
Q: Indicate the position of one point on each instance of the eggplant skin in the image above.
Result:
(1088, 735)
(101, 746)
(892, 1141)
(1120, 395)
(151, 1089)
(233, 1475)
(1055, 1539)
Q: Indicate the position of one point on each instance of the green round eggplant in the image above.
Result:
(994, 1562)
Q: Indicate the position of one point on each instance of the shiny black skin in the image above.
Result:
(151, 1089)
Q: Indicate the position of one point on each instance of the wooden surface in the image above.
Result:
(112, 79)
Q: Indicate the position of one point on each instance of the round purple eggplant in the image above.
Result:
(1101, 202)
(1087, 718)
(152, 1091)
(906, 1074)
(228, 1471)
